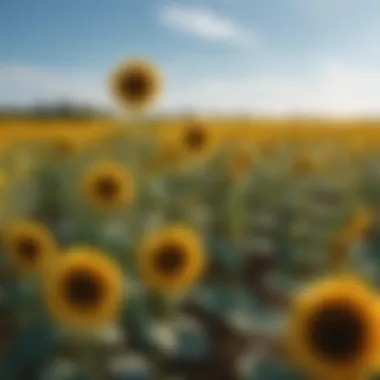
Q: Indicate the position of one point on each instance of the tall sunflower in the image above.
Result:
(171, 259)
(30, 246)
(136, 84)
(334, 329)
(84, 288)
(196, 139)
(108, 185)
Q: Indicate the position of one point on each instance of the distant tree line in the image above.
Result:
(62, 110)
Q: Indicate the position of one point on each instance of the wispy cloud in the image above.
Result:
(205, 24)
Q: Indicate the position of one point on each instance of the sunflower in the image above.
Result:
(136, 84)
(171, 259)
(109, 185)
(29, 245)
(196, 140)
(334, 329)
(83, 289)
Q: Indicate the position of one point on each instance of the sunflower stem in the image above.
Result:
(92, 360)
(163, 307)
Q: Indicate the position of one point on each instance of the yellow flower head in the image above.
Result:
(334, 329)
(136, 84)
(108, 185)
(197, 140)
(195, 137)
(171, 259)
(84, 289)
(30, 246)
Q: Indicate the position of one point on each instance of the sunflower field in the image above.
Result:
(189, 248)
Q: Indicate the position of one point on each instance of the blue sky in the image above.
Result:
(270, 56)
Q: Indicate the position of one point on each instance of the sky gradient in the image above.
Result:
(255, 56)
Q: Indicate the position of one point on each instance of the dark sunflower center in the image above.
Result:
(170, 259)
(28, 248)
(337, 332)
(107, 187)
(82, 288)
(135, 85)
(195, 138)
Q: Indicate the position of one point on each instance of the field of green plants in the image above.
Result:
(195, 248)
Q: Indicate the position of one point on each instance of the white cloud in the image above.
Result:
(332, 87)
(205, 24)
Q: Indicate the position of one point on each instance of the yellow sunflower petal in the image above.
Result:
(30, 246)
(196, 139)
(84, 289)
(136, 84)
(108, 185)
(334, 328)
(171, 259)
